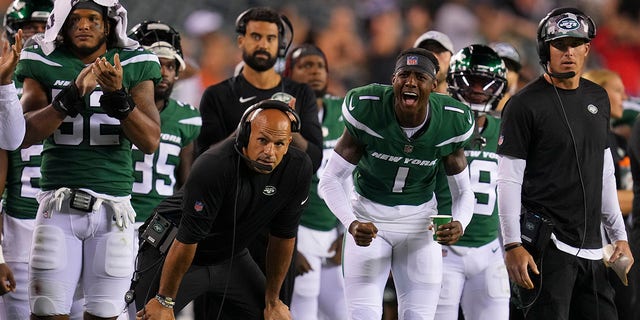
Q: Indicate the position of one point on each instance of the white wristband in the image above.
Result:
(1, 256)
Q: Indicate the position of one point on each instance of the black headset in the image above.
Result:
(543, 47)
(244, 127)
(283, 46)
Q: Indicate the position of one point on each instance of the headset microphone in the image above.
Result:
(255, 164)
(562, 75)
(557, 75)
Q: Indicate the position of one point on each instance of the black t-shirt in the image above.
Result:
(534, 128)
(223, 197)
(223, 104)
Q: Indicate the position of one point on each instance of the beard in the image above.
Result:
(162, 94)
(259, 64)
(86, 51)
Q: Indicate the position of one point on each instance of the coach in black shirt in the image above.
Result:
(234, 190)
(555, 162)
(261, 39)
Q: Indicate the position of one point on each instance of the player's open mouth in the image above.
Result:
(409, 97)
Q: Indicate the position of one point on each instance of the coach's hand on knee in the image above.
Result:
(363, 232)
(153, 310)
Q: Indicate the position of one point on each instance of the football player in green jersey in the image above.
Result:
(22, 171)
(158, 175)
(89, 96)
(474, 272)
(395, 138)
(319, 288)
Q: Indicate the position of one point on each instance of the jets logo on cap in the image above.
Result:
(568, 24)
(412, 60)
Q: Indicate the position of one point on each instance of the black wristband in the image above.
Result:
(117, 104)
(68, 101)
(512, 246)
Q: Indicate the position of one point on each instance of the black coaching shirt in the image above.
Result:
(223, 197)
(223, 104)
(534, 128)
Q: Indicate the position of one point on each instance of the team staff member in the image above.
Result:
(395, 138)
(89, 108)
(319, 288)
(556, 127)
(474, 275)
(261, 38)
(235, 189)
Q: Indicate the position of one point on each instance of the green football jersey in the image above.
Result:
(89, 150)
(317, 215)
(154, 174)
(483, 170)
(23, 182)
(23, 178)
(394, 169)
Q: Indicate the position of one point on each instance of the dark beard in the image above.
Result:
(259, 64)
(162, 94)
(87, 51)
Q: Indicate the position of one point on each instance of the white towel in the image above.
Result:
(61, 10)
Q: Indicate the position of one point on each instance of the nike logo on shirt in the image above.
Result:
(243, 100)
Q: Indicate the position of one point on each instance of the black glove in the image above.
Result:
(69, 101)
(117, 104)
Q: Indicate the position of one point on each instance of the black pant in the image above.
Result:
(206, 306)
(242, 284)
(571, 288)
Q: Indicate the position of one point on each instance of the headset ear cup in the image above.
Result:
(246, 133)
(241, 27)
(244, 126)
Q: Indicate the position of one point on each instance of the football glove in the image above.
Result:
(117, 104)
(68, 101)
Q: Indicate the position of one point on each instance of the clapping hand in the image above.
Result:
(9, 59)
(108, 76)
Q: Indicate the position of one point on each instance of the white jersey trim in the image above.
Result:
(459, 138)
(357, 124)
(450, 108)
(28, 55)
(196, 121)
(141, 58)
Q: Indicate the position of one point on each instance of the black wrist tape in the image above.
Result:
(117, 104)
(68, 101)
